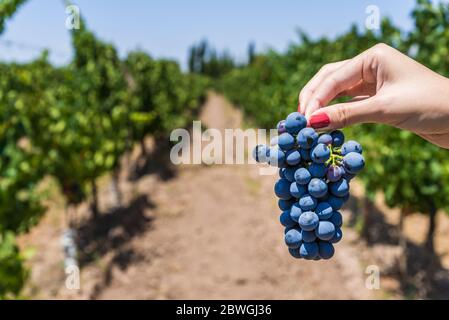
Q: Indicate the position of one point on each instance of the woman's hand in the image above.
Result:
(387, 87)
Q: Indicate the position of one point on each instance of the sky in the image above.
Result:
(167, 28)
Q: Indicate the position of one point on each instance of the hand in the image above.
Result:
(387, 87)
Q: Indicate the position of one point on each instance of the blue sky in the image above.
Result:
(167, 28)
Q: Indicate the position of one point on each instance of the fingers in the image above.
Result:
(356, 76)
(308, 90)
(344, 114)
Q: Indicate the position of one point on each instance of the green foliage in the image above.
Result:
(74, 123)
(411, 173)
(7, 10)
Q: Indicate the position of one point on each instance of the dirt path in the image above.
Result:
(209, 232)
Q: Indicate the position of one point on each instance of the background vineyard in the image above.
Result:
(76, 123)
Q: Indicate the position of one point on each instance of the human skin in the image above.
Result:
(387, 87)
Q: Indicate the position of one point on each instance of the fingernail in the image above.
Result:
(320, 120)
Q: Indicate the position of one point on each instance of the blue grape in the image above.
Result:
(287, 229)
(289, 174)
(353, 162)
(335, 202)
(276, 157)
(285, 205)
(317, 258)
(260, 153)
(293, 157)
(317, 170)
(338, 138)
(351, 146)
(324, 210)
(305, 154)
(293, 238)
(336, 219)
(317, 188)
(308, 236)
(281, 173)
(282, 189)
(307, 138)
(339, 188)
(295, 212)
(321, 153)
(326, 250)
(294, 253)
(309, 250)
(325, 138)
(334, 173)
(325, 230)
(281, 127)
(348, 176)
(297, 190)
(308, 220)
(307, 202)
(337, 236)
(285, 219)
(286, 141)
(295, 122)
(302, 176)
(345, 198)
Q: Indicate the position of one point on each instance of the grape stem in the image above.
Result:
(335, 157)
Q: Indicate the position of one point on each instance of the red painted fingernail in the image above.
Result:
(299, 107)
(320, 120)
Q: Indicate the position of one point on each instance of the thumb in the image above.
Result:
(345, 114)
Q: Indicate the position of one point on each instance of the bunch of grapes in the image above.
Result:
(315, 171)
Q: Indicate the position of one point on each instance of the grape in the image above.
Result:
(325, 230)
(281, 173)
(317, 170)
(336, 219)
(325, 138)
(307, 202)
(293, 238)
(285, 219)
(338, 138)
(351, 146)
(308, 236)
(308, 221)
(353, 162)
(295, 212)
(323, 210)
(335, 202)
(281, 127)
(339, 188)
(337, 236)
(282, 189)
(317, 188)
(334, 173)
(305, 154)
(293, 157)
(295, 122)
(297, 190)
(289, 174)
(285, 205)
(326, 250)
(320, 154)
(286, 141)
(276, 157)
(260, 153)
(294, 253)
(309, 250)
(307, 138)
(302, 176)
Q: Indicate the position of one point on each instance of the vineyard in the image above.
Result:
(76, 124)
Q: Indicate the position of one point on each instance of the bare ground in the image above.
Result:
(194, 232)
